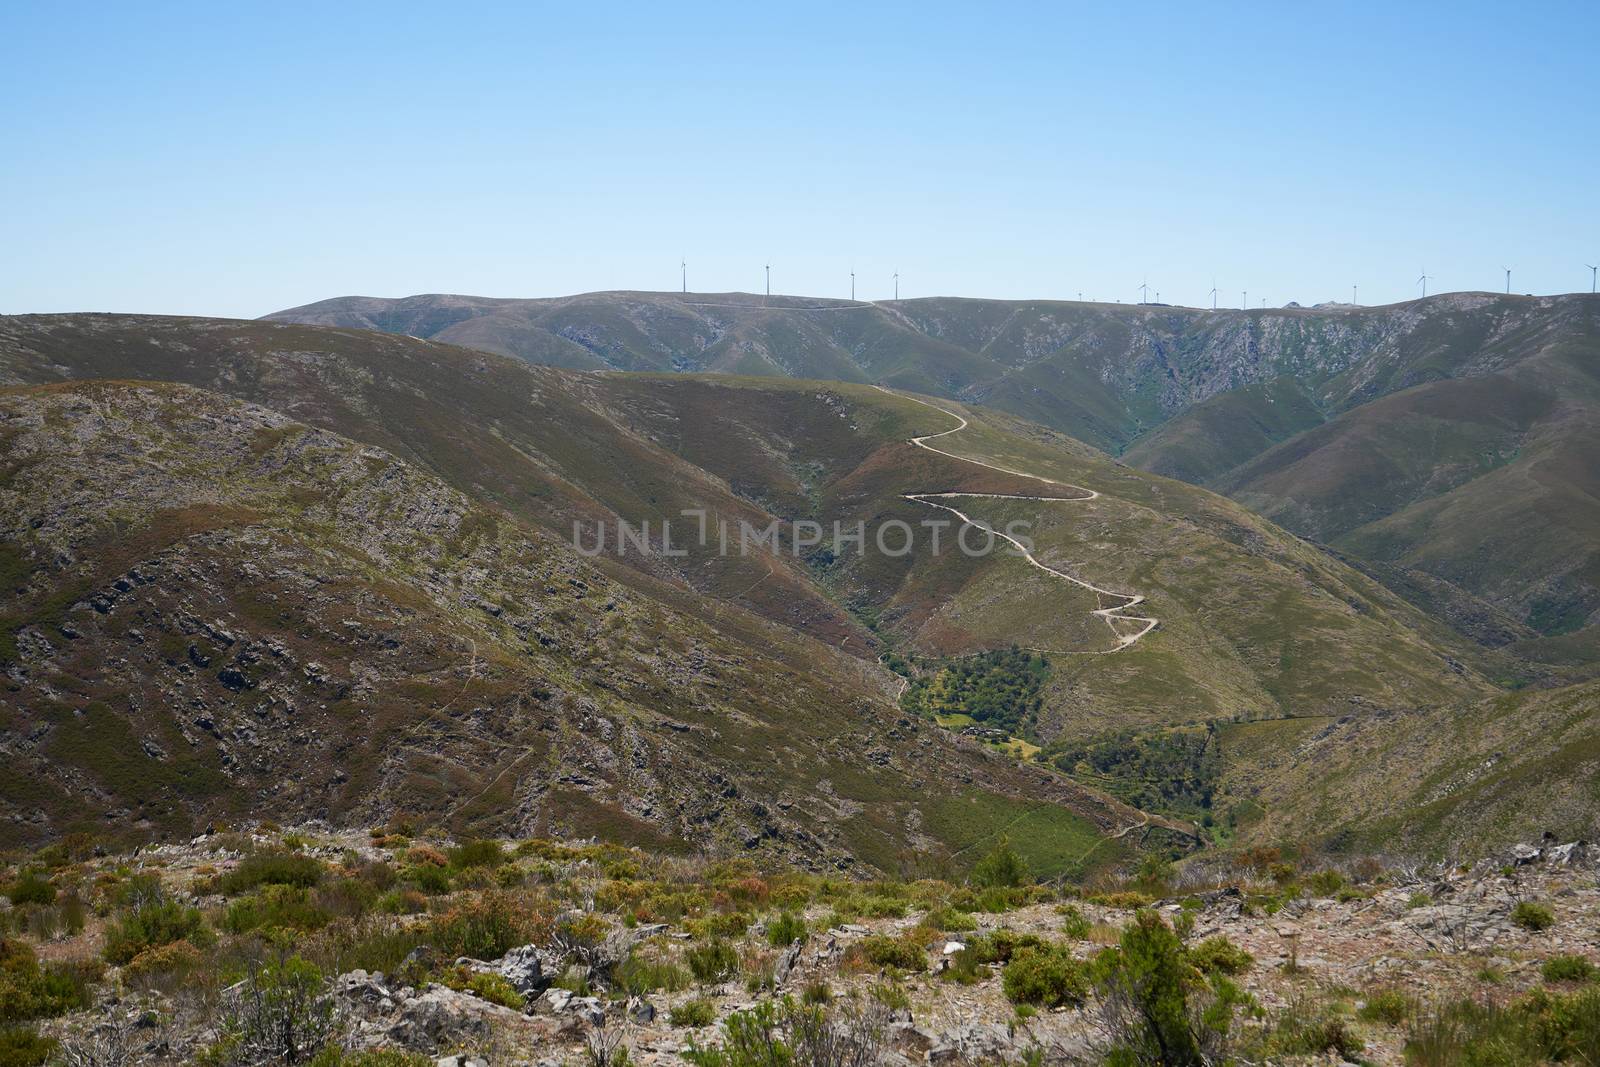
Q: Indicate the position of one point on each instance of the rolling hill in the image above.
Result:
(214, 610)
(716, 659)
(1414, 439)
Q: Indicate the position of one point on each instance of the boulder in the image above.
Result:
(524, 968)
(439, 1018)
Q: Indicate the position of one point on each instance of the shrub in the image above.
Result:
(1419, 900)
(881, 950)
(476, 854)
(713, 962)
(693, 1013)
(151, 925)
(950, 920)
(1567, 969)
(637, 976)
(426, 856)
(275, 907)
(1532, 916)
(730, 924)
(29, 991)
(1218, 955)
(272, 868)
(429, 879)
(162, 966)
(1002, 868)
(1074, 923)
(1307, 1034)
(1154, 1002)
(785, 930)
(401, 902)
(31, 889)
(22, 1047)
(485, 928)
(1048, 976)
(1389, 1006)
(495, 989)
(773, 1035)
(1326, 883)
(966, 967)
(280, 1013)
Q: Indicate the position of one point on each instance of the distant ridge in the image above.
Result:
(1419, 438)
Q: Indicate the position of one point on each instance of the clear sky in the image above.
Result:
(237, 158)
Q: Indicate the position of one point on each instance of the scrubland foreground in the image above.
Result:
(402, 947)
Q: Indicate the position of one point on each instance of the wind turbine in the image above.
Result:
(1244, 299)
(683, 265)
(1592, 269)
(1352, 294)
(769, 279)
(897, 285)
(1144, 291)
(1508, 281)
(852, 285)
(1424, 281)
(1213, 294)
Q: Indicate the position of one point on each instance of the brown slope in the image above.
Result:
(213, 609)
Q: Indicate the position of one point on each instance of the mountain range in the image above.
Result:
(338, 573)
(1441, 445)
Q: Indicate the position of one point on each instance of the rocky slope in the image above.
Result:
(213, 609)
(1363, 964)
(1254, 623)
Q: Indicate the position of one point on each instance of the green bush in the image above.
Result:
(882, 950)
(271, 867)
(428, 878)
(1389, 1006)
(275, 907)
(1048, 976)
(785, 930)
(29, 991)
(1158, 1007)
(713, 962)
(1000, 869)
(1567, 969)
(484, 928)
(477, 854)
(22, 1047)
(496, 990)
(1218, 955)
(1532, 916)
(31, 888)
(1074, 923)
(693, 1013)
(950, 920)
(637, 976)
(156, 923)
(282, 1013)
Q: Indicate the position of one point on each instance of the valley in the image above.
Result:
(1261, 635)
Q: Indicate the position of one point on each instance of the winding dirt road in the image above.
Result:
(1112, 615)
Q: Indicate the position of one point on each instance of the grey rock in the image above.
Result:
(589, 1009)
(524, 968)
(786, 962)
(552, 1001)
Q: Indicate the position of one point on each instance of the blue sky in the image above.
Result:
(235, 159)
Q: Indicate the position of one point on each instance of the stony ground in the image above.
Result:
(1428, 935)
